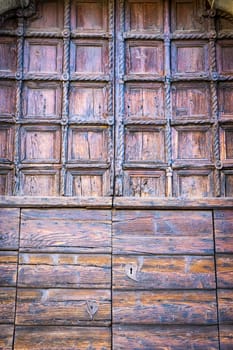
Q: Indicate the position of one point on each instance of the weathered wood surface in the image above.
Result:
(6, 336)
(66, 230)
(66, 338)
(64, 270)
(165, 307)
(225, 306)
(63, 307)
(8, 268)
(226, 337)
(163, 272)
(7, 305)
(224, 231)
(225, 271)
(162, 232)
(9, 228)
(169, 338)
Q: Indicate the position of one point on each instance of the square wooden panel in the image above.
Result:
(87, 144)
(190, 58)
(40, 144)
(88, 101)
(8, 54)
(41, 100)
(227, 183)
(43, 56)
(193, 183)
(89, 15)
(226, 144)
(144, 145)
(6, 182)
(192, 144)
(89, 57)
(6, 143)
(225, 94)
(144, 57)
(144, 101)
(49, 17)
(39, 182)
(187, 16)
(87, 183)
(7, 99)
(144, 16)
(224, 56)
(190, 101)
(144, 183)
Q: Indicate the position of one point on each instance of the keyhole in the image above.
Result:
(131, 270)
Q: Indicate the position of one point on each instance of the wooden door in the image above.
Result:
(116, 138)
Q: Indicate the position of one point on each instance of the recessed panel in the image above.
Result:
(89, 15)
(6, 143)
(144, 101)
(88, 102)
(8, 54)
(224, 57)
(226, 100)
(89, 57)
(144, 184)
(7, 98)
(226, 134)
(85, 184)
(145, 58)
(227, 183)
(6, 182)
(43, 56)
(87, 144)
(192, 144)
(186, 16)
(144, 146)
(144, 15)
(190, 58)
(190, 101)
(40, 144)
(42, 100)
(194, 184)
(39, 182)
(50, 16)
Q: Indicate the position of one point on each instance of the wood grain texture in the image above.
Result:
(226, 337)
(163, 272)
(224, 271)
(66, 230)
(63, 307)
(8, 268)
(225, 306)
(9, 228)
(162, 232)
(169, 338)
(224, 231)
(64, 270)
(147, 307)
(6, 336)
(7, 305)
(66, 338)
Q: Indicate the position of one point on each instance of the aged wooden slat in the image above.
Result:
(8, 268)
(67, 230)
(66, 338)
(64, 270)
(225, 271)
(162, 232)
(6, 336)
(7, 305)
(63, 307)
(171, 338)
(225, 306)
(163, 272)
(9, 228)
(226, 337)
(165, 307)
(224, 230)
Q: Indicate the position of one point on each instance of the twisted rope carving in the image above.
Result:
(212, 55)
(43, 34)
(225, 15)
(67, 15)
(217, 183)
(225, 35)
(80, 77)
(190, 36)
(143, 36)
